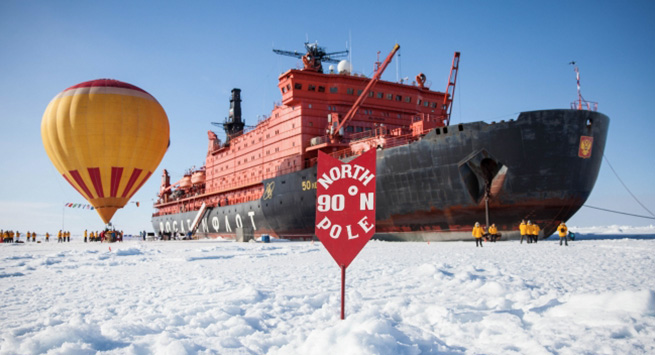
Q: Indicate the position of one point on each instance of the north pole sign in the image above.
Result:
(345, 208)
(345, 205)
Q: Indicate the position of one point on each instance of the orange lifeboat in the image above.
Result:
(198, 177)
(185, 183)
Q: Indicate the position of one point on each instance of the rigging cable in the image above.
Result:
(631, 194)
(619, 212)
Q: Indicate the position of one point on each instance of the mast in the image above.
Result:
(578, 105)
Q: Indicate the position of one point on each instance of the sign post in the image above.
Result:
(345, 208)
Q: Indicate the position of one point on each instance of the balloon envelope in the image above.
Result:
(106, 138)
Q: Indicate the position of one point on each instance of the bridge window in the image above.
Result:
(311, 87)
(350, 91)
(297, 86)
(334, 89)
(321, 89)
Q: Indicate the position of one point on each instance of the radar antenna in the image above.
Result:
(314, 57)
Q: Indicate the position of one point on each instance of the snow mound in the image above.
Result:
(129, 251)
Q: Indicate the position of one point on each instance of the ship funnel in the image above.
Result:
(234, 124)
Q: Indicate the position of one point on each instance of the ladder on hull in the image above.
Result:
(196, 221)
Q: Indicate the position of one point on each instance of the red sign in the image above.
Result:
(585, 147)
(345, 205)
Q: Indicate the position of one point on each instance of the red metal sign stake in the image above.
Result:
(343, 291)
(345, 208)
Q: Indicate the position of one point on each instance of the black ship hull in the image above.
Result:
(436, 188)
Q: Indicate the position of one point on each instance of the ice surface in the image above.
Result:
(596, 296)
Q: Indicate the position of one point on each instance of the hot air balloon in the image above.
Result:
(106, 138)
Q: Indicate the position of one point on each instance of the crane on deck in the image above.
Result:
(450, 89)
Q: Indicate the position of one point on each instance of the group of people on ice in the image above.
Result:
(10, 236)
(14, 237)
(62, 236)
(490, 235)
(529, 231)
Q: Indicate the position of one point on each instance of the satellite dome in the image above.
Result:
(344, 67)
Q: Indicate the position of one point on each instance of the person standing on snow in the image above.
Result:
(523, 228)
(493, 232)
(478, 232)
(535, 232)
(562, 230)
(528, 232)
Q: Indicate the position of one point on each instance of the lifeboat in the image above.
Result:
(185, 183)
(198, 177)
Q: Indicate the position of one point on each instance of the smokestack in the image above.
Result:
(234, 124)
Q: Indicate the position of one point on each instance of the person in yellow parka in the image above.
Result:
(523, 228)
(535, 232)
(85, 235)
(478, 232)
(47, 236)
(493, 233)
(562, 230)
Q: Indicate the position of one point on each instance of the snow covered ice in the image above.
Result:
(596, 296)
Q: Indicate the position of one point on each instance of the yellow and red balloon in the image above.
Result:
(106, 138)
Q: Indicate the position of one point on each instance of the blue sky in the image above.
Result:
(515, 57)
